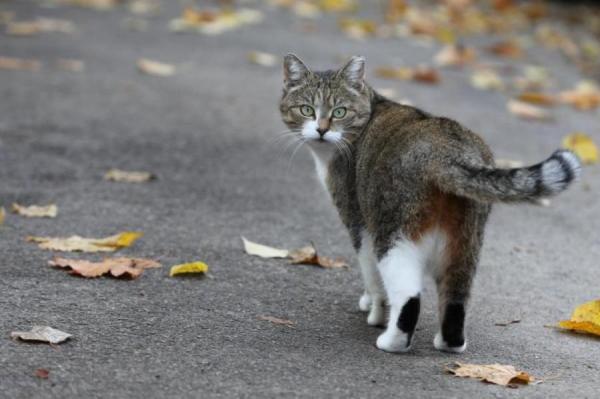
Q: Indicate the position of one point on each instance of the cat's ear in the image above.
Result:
(293, 69)
(354, 70)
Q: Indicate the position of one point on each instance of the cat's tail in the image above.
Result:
(487, 184)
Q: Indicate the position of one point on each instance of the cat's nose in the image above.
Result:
(322, 131)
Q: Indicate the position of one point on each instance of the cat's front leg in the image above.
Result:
(372, 300)
(401, 269)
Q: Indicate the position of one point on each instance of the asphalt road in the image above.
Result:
(207, 133)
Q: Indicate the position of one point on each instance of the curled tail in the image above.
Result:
(487, 184)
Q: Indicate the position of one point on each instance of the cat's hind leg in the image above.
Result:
(372, 300)
(402, 268)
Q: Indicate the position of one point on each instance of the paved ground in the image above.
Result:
(206, 133)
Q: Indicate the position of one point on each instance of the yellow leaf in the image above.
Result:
(499, 374)
(189, 268)
(585, 319)
(582, 145)
(36, 211)
(338, 5)
(81, 244)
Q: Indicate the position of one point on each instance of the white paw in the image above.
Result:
(364, 303)
(393, 340)
(377, 314)
(441, 345)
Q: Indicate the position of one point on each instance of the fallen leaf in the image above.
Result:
(42, 334)
(582, 145)
(395, 11)
(507, 49)
(585, 96)
(455, 55)
(81, 244)
(507, 323)
(36, 211)
(214, 22)
(420, 74)
(277, 320)
(94, 4)
(263, 59)
(534, 78)
(537, 98)
(40, 25)
(585, 319)
(306, 9)
(70, 65)
(155, 68)
(189, 268)
(487, 79)
(493, 373)
(144, 7)
(308, 256)
(338, 5)
(2, 214)
(528, 111)
(117, 267)
(358, 28)
(128, 176)
(19, 64)
(263, 251)
(42, 373)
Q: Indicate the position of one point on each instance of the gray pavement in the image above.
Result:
(206, 132)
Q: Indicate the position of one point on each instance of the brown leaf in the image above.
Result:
(81, 244)
(507, 49)
(19, 64)
(277, 320)
(421, 74)
(308, 256)
(128, 176)
(42, 334)
(528, 111)
(537, 98)
(117, 267)
(36, 211)
(455, 55)
(585, 96)
(499, 374)
(40, 25)
(42, 373)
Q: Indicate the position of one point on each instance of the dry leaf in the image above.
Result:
(40, 25)
(214, 22)
(420, 74)
(585, 319)
(263, 59)
(487, 79)
(585, 96)
(358, 28)
(189, 268)
(582, 145)
(128, 176)
(117, 267)
(338, 5)
(81, 244)
(528, 111)
(94, 4)
(42, 334)
(507, 323)
(155, 68)
(264, 251)
(537, 98)
(276, 320)
(144, 7)
(2, 215)
(455, 55)
(42, 373)
(70, 65)
(534, 78)
(306, 9)
(36, 211)
(19, 64)
(493, 373)
(395, 11)
(308, 256)
(508, 49)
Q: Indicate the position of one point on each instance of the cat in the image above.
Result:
(414, 191)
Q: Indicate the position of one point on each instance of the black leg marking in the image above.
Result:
(453, 325)
(409, 316)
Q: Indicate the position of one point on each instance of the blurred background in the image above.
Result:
(188, 91)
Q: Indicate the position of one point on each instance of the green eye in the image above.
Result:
(339, 113)
(307, 110)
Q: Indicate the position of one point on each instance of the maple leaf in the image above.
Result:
(582, 145)
(585, 319)
(36, 211)
(499, 374)
(116, 267)
(128, 176)
(81, 244)
(42, 334)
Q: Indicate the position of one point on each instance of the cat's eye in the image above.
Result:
(307, 110)
(339, 113)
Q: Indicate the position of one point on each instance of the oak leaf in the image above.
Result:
(42, 334)
(117, 267)
(36, 211)
(585, 319)
(81, 244)
(499, 374)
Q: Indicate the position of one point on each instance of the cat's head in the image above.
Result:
(325, 107)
